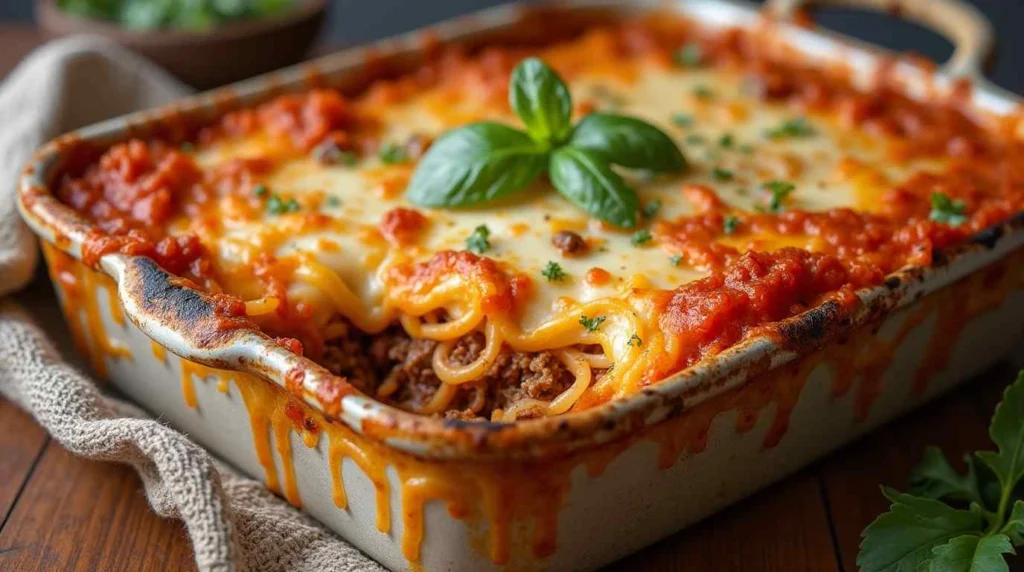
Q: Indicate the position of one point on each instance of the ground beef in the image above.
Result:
(393, 357)
(569, 243)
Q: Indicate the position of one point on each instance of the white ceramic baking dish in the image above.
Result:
(569, 492)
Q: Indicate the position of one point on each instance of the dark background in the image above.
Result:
(355, 21)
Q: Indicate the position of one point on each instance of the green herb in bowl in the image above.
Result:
(191, 15)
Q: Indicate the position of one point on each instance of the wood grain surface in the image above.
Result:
(60, 512)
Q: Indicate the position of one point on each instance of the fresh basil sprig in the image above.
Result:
(484, 161)
(952, 522)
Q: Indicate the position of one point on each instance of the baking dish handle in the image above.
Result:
(964, 25)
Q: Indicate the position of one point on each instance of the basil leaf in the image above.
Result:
(629, 142)
(476, 163)
(586, 179)
(970, 553)
(541, 99)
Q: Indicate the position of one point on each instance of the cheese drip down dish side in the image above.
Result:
(795, 188)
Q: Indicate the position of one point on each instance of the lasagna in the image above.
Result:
(801, 186)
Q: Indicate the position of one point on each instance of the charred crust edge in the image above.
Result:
(180, 308)
(813, 327)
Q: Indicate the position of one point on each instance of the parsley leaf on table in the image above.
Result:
(935, 478)
(903, 538)
(1014, 526)
(971, 553)
(923, 533)
(1007, 432)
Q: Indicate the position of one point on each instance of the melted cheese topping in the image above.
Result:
(357, 197)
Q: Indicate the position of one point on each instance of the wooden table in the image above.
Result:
(61, 512)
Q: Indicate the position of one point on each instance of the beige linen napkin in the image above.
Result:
(234, 523)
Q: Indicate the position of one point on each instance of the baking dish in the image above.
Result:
(553, 492)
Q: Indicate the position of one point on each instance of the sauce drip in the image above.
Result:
(78, 286)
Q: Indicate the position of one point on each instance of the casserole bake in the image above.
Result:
(646, 338)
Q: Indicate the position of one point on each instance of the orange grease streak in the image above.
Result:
(79, 287)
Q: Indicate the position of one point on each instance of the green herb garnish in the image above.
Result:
(193, 16)
(947, 211)
(675, 259)
(260, 190)
(484, 161)
(652, 207)
(188, 147)
(780, 190)
(682, 120)
(694, 139)
(703, 92)
(478, 241)
(689, 56)
(726, 141)
(392, 153)
(721, 174)
(635, 341)
(730, 224)
(553, 272)
(276, 205)
(953, 522)
(641, 237)
(592, 324)
(798, 127)
(328, 153)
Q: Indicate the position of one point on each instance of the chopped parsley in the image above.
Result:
(694, 139)
(682, 120)
(553, 272)
(635, 341)
(730, 224)
(332, 201)
(746, 148)
(276, 205)
(726, 141)
(641, 237)
(652, 207)
(260, 190)
(187, 147)
(592, 324)
(798, 127)
(477, 242)
(947, 211)
(676, 259)
(608, 97)
(721, 174)
(780, 190)
(703, 92)
(328, 153)
(689, 56)
(391, 153)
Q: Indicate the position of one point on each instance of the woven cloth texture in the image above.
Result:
(234, 523)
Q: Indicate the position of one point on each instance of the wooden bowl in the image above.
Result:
(228, 53)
